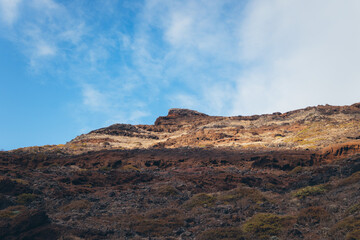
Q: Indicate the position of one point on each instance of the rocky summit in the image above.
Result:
(293, 175)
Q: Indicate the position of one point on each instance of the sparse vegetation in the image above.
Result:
(265, 225)
(25, 198)
(309, 191)
(200, 200)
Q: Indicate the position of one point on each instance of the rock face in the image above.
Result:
(293, 175)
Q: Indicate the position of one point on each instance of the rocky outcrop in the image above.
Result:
(180, 112)
(182, 119)
(176, 116)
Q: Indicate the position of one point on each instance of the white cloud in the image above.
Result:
(45, 5)
(180, 28)
(9, 10)
(300, 53)
(94, 99)
(44, 49)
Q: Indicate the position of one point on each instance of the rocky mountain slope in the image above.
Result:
(293, 175)
(311, 128)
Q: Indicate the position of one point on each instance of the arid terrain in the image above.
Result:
(293, 175)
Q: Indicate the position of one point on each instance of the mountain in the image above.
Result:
(192, 176)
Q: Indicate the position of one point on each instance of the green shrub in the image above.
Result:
(200, 199)
(25, 198)
(265, 225)
(239, 193)
(222, 233)
(310, 191)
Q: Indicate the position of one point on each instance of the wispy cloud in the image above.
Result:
(9, 10)
(94, 99)
(194, 48)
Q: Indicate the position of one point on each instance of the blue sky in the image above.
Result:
(68, 67)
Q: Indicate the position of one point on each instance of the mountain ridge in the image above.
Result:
(293, 175)
(307, 128)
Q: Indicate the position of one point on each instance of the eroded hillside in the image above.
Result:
(294, 175)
